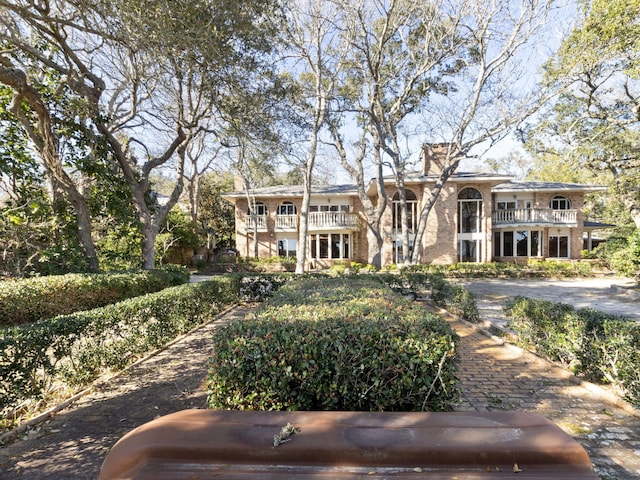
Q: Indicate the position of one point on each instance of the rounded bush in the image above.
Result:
(334, 344)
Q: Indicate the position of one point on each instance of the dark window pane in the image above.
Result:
(508, 244)
(497, 244)
(522, 243)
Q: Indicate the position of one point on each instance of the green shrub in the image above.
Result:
(74, 349)
(622, 253)
(334, 344)
(258, 287)
(338, 269)
(533, 269)
(28, 300)
(459, 300)
(601, 347)
(269, 264)
(553, 329)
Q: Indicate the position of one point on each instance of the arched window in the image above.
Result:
(560, 203)
(470, 210)
(287, 208)
(260, 209)
(470, 236)
(412, 211)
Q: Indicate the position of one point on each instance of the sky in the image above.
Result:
(533, 56)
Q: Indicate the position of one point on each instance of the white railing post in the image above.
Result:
(534, 215)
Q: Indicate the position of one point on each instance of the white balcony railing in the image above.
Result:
(539, 216)
(333, 220)
(287, 222)
(252, 221)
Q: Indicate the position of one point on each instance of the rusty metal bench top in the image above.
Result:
(339, 445)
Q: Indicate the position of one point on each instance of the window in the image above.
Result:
(468, 250)
(287, 247)
(470, 236)
(260, 209)
(508, 244)
(560, 203)
(330, 246)
(329, 208)
(521, 243)
(506, 205)
(497, 244)
(535, 244)
(559, 246)
(470, 210)
(412, 211)
(398, 254)
(287, 208)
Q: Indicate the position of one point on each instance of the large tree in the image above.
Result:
(34, 104)
(491, 92)
(420, 73)
(145, 73)
(315, 60)
(595, 122)
(400, 53)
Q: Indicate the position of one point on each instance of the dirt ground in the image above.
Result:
(73, 443)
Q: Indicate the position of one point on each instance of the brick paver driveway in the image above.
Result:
(498, 376)
(610, 295)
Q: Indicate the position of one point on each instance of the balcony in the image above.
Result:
(318, 221)
(287, 223)
(259, 220)
(332, 221)
(535, 216)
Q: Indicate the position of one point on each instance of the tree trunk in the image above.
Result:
(45, 139)
(301, 251)
(418, 253)
(85, 229)
(150, 233)
(375, 247)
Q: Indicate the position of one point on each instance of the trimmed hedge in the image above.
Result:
(454, 298)
(334, 344)
(29, 300)
(602, 348)
(73, 350)
(532, 269)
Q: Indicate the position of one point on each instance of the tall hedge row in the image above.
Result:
(334, 344)
(32, 299)
(601, 347)
(74, 349)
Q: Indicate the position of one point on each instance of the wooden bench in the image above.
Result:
(194, 444)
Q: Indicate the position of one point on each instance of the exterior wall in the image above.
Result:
(543, 200)
(360, 239)
(440, 241)
(267, 245)
(440, 237)
(268, 240)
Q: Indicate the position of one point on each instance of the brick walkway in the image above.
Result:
(493, 377)
(498, 376)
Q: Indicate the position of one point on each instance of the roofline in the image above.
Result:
(416, 178)
(555, 188)
(328, 191)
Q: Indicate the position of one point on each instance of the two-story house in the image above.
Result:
(477, 218)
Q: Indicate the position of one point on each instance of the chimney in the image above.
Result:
(238, 183)
(433, 158)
